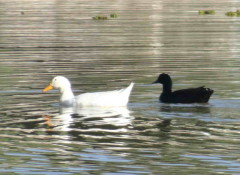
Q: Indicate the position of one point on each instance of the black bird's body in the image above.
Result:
(191, 95)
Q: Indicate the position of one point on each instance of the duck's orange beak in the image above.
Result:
(49, 87)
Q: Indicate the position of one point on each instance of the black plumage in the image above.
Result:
(191, 95)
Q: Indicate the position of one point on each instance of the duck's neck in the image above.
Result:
(167, 87)
(67, 96)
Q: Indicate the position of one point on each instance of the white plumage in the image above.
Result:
(103, 99)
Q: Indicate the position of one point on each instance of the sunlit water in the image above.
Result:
(42, 39)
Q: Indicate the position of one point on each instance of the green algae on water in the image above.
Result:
(100, 17)
(206, 12)
(113, 15)
(236, 13)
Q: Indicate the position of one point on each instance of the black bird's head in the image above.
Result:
(163, 79)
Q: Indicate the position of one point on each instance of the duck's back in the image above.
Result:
(191, 95)
(105, 99)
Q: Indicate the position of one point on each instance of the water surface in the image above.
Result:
(42, 39)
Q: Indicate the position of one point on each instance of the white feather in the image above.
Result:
(107, 98)
(103, 99)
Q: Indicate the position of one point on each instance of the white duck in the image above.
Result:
(104, 99)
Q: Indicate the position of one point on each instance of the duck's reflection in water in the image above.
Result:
(90, 119)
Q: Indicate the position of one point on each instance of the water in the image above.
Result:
(42, 39)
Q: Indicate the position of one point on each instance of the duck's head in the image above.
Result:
(163, 79)
(58, 82)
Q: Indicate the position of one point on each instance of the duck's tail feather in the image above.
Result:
(125, 93)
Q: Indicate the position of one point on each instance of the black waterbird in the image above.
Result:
(191, 95)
